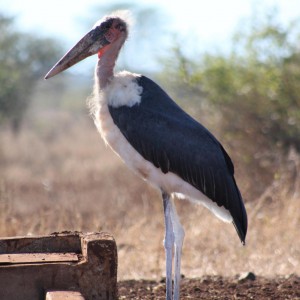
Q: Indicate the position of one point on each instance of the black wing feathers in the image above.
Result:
(174, 142)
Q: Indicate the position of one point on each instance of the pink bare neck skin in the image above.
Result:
(108, 56)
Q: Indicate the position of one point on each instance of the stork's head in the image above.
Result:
(106, 32)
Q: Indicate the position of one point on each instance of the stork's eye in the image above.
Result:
(120, 27)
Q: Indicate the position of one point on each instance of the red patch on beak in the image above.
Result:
(102, 51)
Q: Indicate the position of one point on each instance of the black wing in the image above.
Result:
(174, 142)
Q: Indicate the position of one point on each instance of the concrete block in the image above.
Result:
(63, 295)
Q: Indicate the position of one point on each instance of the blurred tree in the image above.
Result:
(24, 59)
(256, 87)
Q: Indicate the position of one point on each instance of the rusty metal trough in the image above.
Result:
(82, 266)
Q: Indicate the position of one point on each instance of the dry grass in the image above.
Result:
(54, 180)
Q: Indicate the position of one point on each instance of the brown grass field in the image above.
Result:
(62, 177)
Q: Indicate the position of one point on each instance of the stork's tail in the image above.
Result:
(241, 233)
(239, 214)
(240, 221)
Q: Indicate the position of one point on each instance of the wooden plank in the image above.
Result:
(25, 258)
(64, 295)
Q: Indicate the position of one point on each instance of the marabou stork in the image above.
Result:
(157, 139)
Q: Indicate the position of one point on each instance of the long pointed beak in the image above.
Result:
(90, 44)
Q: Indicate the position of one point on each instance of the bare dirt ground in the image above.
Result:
(216, 287)
(54, 180)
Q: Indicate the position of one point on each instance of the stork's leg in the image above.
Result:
(178, 241)
(168, 243)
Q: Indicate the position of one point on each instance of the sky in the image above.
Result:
(201, 25)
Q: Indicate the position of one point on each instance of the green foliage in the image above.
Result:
(24, 59)
(257, 86)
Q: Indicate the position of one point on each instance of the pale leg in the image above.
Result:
(178, 241)
(168, 243)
